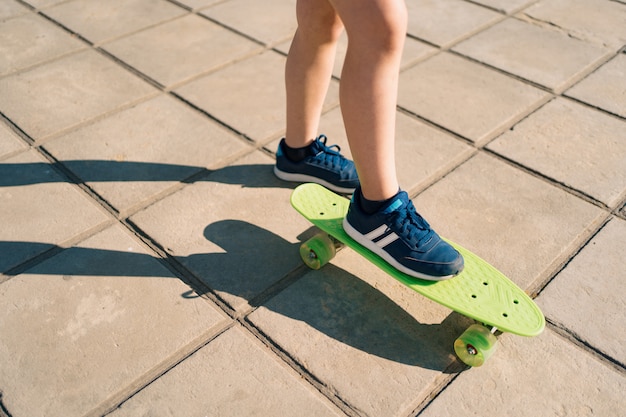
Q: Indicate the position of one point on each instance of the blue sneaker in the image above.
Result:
(399, 235)
(323, 165)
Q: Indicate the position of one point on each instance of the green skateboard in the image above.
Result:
(480, 292)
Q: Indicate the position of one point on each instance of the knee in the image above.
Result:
(383, 30)
(319, 23)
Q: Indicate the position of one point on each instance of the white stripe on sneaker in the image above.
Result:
(387, 240)
(376, 233)
(382, 236)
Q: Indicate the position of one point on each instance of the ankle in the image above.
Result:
(296, 154)
(372, 206)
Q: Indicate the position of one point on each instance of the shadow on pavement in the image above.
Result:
(95, 171)
(332, 300)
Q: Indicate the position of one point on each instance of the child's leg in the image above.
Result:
(309, 69)
(386, 221)
(369, 82)
(299, 156)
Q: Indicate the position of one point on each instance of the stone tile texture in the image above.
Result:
(59, 95)
(149, 258)
(88, 305)
(585, 298)
(605, 88)
(259, 112)
(11, 8)
(40, 4)
(128, 168)
(9, 141)
(198, 4)
(39, 209)
(100, 21)
(499, 212)
(525, 383)
(269, 22)
(196, 44)
(542, 55)
(29, 39)
(591, 155)
(507, 6)
(599, 21)
(237, 377)
(455, 93)
(445, 22)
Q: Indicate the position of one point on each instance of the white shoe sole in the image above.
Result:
(302, 178)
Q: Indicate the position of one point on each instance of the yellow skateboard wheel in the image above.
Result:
(475, 345)
(317, 251)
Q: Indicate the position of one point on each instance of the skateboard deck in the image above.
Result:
(480, 291)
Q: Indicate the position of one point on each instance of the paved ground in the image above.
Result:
(149, 256)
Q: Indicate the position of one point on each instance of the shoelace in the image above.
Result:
(329, 155)
(412, 227)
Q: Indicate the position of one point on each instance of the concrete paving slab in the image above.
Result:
(101, 21)
(465, 97)
(603, 22)
(178, 50)
(231, 376)
(66, 92)
(381, 359)
(29, 40)
(576, 145)
(130, 168)
(235, 229)
(81, 317)
(9, 142)
(197, 4)
(506, 6)
(541, 376)
(517, 222)
(544, 56)
(38, 209)
(586, 297)
(269, 21)
(445, 22)
(259, 110)
(605, 88)
(38, 4)
(11, 8)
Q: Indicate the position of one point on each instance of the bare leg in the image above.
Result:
(369, 87)
(309, 69)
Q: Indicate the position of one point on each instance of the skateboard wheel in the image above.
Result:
(317, 251)
(475, 345)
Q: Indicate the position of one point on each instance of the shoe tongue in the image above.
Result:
(400, 200)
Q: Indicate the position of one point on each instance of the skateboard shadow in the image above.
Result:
(331, 300)
(260, 268)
